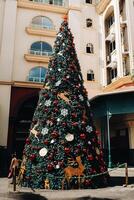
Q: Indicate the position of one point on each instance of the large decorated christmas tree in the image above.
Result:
(63, 150)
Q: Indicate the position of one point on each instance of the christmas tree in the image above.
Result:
(63, 150)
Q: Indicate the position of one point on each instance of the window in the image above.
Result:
(88, 22)
(55, 2)
(113, 73)
(89, 1)
(89, 48)
(37, 74)
(42, 22)
(110, 21)
(112, 46)
(41, 48)
(90, 75)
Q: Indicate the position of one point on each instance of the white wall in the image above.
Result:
(23, 40)
(2, 8)
(8, 37)
(5, 91)
(78, 13)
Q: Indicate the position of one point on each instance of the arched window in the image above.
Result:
(42, 22)
(89, 22)
(41, 48)
(89, 1)
(90, 75)
(37, 74)
(89, 48)
(55, 2)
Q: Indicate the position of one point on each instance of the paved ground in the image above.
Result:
(115, 192)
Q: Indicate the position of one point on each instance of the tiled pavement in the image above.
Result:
(113, 192)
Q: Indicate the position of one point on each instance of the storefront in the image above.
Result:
(114, 117)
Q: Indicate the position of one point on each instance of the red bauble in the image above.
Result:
(53, 78)
(50, 167)
(54, 134)
(45, 95)
(87, 182)
(74, 115)
(46, 110)
(83, 136)
(79, 146)
(74, 123)
(67, 150)
(46, 142)
(64, 124)
(56, 110)
(97, 132)
(83, 122)
(32, 157)
(90, 157)
(55, 102)
(27, 141)
(50, 157)
(84, 150)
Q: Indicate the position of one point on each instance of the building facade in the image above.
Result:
(113, 107)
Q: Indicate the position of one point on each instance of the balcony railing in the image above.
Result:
(36, 79)
(40, 53)
(52, 2)
(42, 26)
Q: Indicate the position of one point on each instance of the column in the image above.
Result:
(8, 40)
(118, 38)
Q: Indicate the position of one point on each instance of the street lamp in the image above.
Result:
(109, 115)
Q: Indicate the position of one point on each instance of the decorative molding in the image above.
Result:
(101, 6)
(41, 6)
(41, 32)
(118, 84)
(6, 82)
(36, 58)
(27, 84)
(76, 8)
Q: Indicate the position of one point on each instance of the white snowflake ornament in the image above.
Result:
(81, 97)
(64, 112)
(52, 141)
(58, 120)
(88, 103)
(48, 103)
(89, 142)
(59, 35)
(44, 131)
(89, 129)
(58, 83)
(57, 166)
(79, 77)
(59, 69)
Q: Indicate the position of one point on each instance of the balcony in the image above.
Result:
(38, 56)
(37, 29)
(101, 5)
(112, 60)
(35, 79)
(120, 82)
(51, 5)
(110, 33)
(123, 22)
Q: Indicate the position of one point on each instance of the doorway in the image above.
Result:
(120, 146)
(22, 124)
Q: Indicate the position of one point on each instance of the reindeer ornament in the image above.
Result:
(71, 171)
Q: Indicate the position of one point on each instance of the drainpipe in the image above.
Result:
(109, 115)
